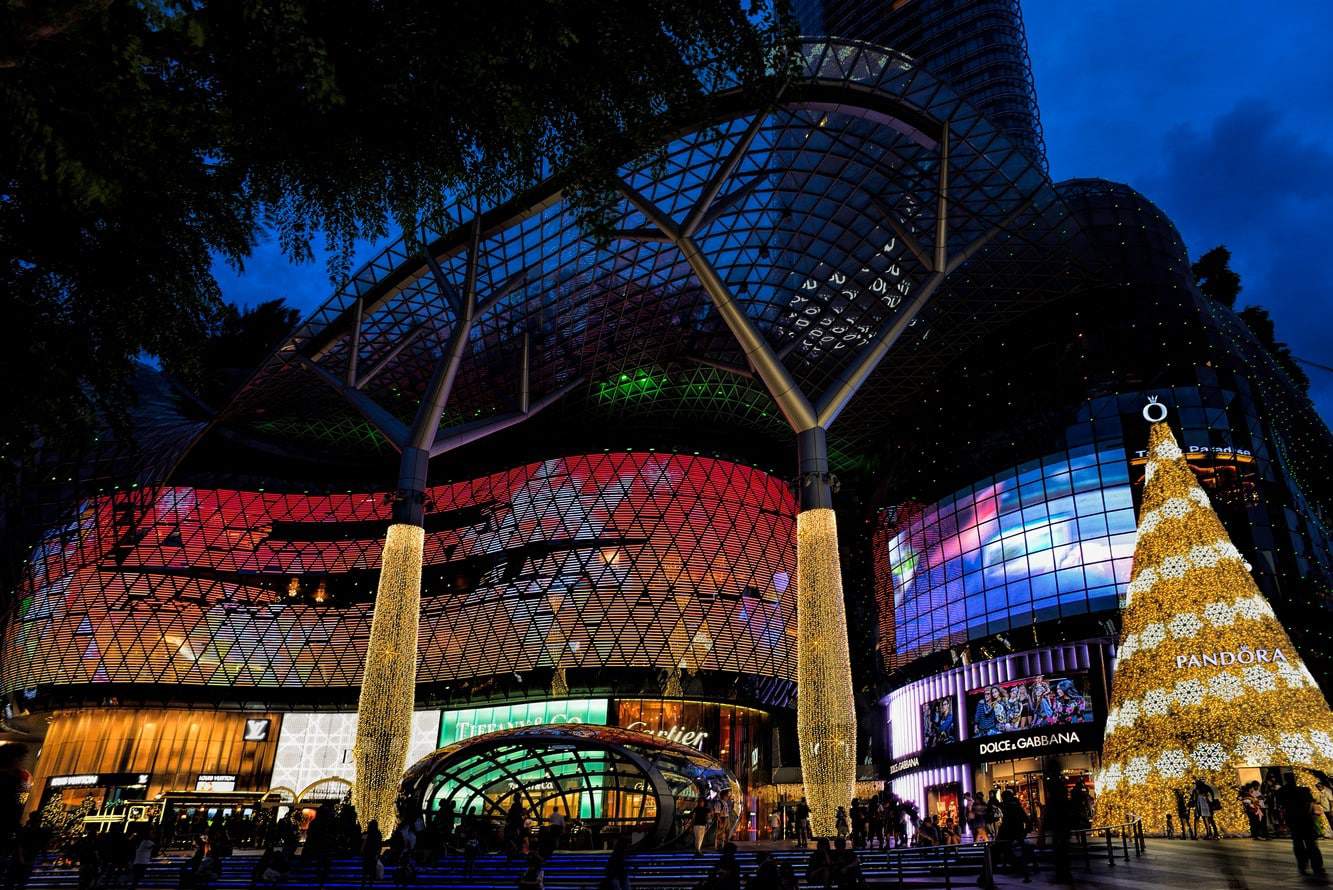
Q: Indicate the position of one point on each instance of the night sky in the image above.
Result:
(1220, 112)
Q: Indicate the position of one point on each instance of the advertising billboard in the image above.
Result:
(939, 723)
(1029, 703)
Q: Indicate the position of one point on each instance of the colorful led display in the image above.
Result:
(608, 560)
(1050, 538)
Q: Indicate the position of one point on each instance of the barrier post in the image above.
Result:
(948, 877)
(1087, 850)
(987, 881)
(1110, 850)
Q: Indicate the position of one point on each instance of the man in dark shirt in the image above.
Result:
(1298, 806)
(1014, 827)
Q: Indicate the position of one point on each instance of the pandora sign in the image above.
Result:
(1243, 655)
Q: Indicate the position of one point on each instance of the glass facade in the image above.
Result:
(627, 560)
(1045, 539)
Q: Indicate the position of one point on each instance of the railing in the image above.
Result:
(1088, 840)
(1128, 831)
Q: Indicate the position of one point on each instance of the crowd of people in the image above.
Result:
(1276, 806)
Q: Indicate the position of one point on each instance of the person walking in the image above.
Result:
(143, 857)
(370, 854)
(533, 878)
(1014, 826)
(617, 867)
(1205, 805)
(726, 875)
(993, 812)
(1252, 802)
(1324, 796)
(1298, 808)
(802, 817)
(726, 810)
(699, 825)
(766, 875)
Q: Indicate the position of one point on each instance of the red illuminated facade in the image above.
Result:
(628, 560)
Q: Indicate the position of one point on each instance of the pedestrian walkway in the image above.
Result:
(1234, 864)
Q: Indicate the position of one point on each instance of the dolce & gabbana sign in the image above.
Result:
(1048, 740)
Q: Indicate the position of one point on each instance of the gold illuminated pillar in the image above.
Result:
(388, 684)
(825, 704)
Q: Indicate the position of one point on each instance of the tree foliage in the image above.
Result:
(142, 138)
(1219, 282)
(1215, 278)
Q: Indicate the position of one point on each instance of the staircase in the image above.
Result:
(917, 867)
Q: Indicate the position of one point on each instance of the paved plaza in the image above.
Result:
(1198, 865)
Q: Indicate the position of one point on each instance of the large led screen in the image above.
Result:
(1028, 704)
(594, 561)
(1051, 538)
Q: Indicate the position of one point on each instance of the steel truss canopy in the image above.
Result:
(844, 243)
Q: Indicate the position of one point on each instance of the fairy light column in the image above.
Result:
(388, 684)
(825, 704)
(1206, 680)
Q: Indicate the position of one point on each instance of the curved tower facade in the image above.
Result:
(979, 47)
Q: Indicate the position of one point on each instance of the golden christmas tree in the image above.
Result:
(1206, 680)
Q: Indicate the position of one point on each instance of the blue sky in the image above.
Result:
(1219, 111)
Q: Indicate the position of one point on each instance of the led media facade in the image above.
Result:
(1046, 539)
(596, 561)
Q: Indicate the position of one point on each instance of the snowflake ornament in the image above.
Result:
(1188, 692)
(1295, 746)
(1253, 749)
(1219, 614)
(1184, 626)
(1175, 508)
(1209, 756)
(1137, 770)
(1156, 702)
(1174, 567)
(1226, 686)
(1172, 763)
(1259, 678)
(1167, 451)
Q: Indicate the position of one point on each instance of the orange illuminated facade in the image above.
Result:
(121, 754)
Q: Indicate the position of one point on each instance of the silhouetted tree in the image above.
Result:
(1257, 319)
(141, 139)
(1215, 278)
(240, 340)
